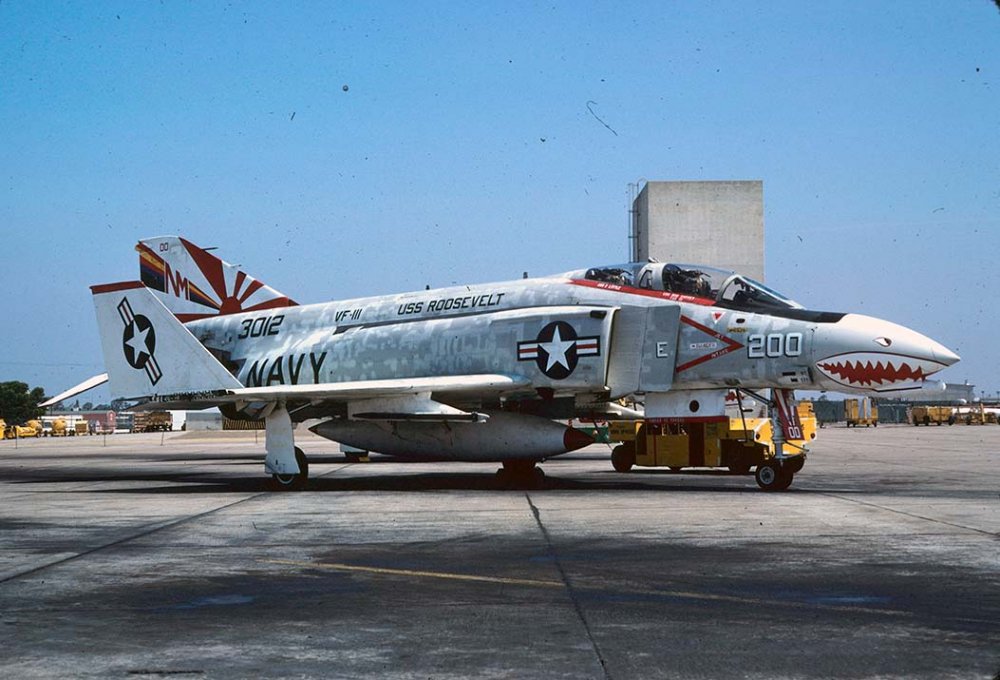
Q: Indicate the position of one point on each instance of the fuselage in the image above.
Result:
(568, 334)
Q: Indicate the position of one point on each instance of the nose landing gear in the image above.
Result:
(773, 476)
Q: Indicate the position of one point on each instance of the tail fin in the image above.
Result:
(193, 283)
(147, 351)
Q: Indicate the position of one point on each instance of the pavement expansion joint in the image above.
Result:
(569, 586)
(914, 515)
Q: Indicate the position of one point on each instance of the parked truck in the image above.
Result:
(152, 421)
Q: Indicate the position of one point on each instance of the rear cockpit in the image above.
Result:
(717, 287)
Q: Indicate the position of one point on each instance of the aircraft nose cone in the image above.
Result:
(872, 355)
(945, 355)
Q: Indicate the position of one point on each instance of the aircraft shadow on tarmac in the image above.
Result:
(169, 482)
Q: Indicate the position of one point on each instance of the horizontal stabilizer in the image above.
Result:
(88, 384)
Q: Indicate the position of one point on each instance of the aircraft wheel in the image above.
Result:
(770, 477)
(622, 458)
(520, 474)
(294, 482)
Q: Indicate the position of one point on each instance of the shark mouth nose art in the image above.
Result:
(876, 369)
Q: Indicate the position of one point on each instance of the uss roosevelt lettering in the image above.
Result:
(446, 304)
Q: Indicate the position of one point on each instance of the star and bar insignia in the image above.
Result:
(557, 349)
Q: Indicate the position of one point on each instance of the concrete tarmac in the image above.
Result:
(157, 556)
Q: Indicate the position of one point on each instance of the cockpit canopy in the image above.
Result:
(719, 287)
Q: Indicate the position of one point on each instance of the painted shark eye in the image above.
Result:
(885, 342)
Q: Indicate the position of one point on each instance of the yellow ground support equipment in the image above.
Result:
(59, 428)
(861, 412)
(925, 415)
(81, 427)
(3, 428)
(152, 421)
(976, 415)
(759, 429)
(738, 444)
(32, 428)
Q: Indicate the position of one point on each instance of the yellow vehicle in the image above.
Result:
(3, 428)
(54, 427)
(738, 443)
(925, 415)
(33, 428)
(81, 427)
(861, 412)
(976, 415)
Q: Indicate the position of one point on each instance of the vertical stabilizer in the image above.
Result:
(146, 349)
(193, 283)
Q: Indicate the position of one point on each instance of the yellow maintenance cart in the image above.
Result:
(925, 415)
(976, 415)
(861, 412)
(32, 428)
(735, 443)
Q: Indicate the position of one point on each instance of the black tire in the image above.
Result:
(771, 477)
(622, 458)
(294, 482)
(793, 465)
(520, 474)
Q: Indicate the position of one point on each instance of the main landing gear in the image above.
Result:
(521, 474)
(293, 481)
(286, 462)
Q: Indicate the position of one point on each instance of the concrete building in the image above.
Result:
(720, 224)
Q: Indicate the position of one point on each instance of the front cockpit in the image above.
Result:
(717, 287)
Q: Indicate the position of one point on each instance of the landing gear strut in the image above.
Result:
(286, 462)
(520, 474)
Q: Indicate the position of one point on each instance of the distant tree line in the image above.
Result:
(18, 404)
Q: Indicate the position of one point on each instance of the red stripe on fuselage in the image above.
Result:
(731, 345)
(660, 294)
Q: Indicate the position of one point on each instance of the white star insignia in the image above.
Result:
(556, 350)
(138, 342)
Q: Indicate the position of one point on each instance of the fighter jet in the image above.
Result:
(480, 372)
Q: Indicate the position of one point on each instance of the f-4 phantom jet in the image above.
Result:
(482, 372)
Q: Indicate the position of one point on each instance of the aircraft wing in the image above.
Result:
(372, 389)
(88, 384)
(393, 399)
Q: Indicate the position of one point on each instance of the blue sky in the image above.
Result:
(463, 149)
